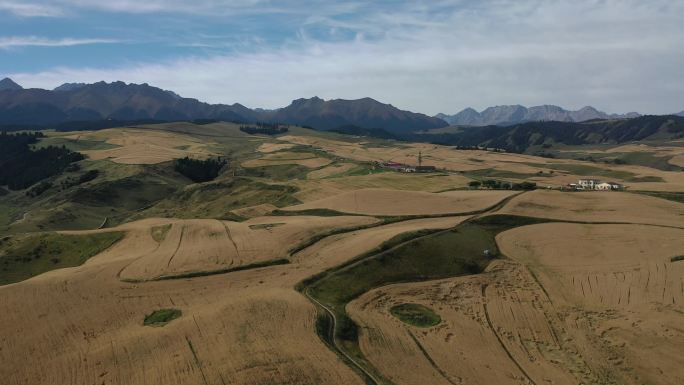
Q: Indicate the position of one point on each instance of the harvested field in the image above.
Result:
(255, 211)
(620, 289)
(144, 146)
(246, 327)
(677, 160)
(394, 202)
(493, 330)
(310, 190)
(89, 326)
(274, 147)
(597, 206)
(203, 246)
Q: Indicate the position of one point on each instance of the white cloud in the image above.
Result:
(27, 41)
(616, 55)
(211, 7)
(25, 9)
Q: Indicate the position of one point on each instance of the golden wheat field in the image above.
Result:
(144, 146)
(393, 202)
(582, 287)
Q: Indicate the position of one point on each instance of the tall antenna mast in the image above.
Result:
(420, 158)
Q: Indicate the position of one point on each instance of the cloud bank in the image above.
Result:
(437, 56)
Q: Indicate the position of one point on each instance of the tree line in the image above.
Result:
(22, 166)
(265, 128)
(199, 170)
(494, 184)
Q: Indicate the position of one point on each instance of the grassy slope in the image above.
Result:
(74, 144)
(23, 257)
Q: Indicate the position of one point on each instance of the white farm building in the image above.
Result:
(595, 184)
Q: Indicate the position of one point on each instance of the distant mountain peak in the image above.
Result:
(9, 84)
(69, 87)
(505, 115)
(364, 113)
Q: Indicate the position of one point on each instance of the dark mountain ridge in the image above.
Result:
(102, 100)
(521, 137)
(132, 102)
(364, 113)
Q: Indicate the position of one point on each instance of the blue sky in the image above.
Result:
(428, 56)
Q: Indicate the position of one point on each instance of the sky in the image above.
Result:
(424, 56)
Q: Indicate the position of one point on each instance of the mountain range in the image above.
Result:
(515, 114)
(129, 102)
(119, 101)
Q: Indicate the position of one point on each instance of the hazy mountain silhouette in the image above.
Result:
(514, 114)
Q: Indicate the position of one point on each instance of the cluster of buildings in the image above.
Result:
(594, 184)
(408, 168)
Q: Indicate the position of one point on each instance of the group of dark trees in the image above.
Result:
(265, 128)
(494, 184)
(83, 178)
(22, 166)
(199, 170)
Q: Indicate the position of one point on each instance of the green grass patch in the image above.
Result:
(314, 212)
(359, 170)
(647, 178)
(75, 144)
(219, 198)
(195, 274)
(671, 196)
(232, 217)
(495, 173)
(265, 226)
(159, 232)
(449, 253)
(278, 172)
(23, 257)
(161, 317)
(416, 315)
